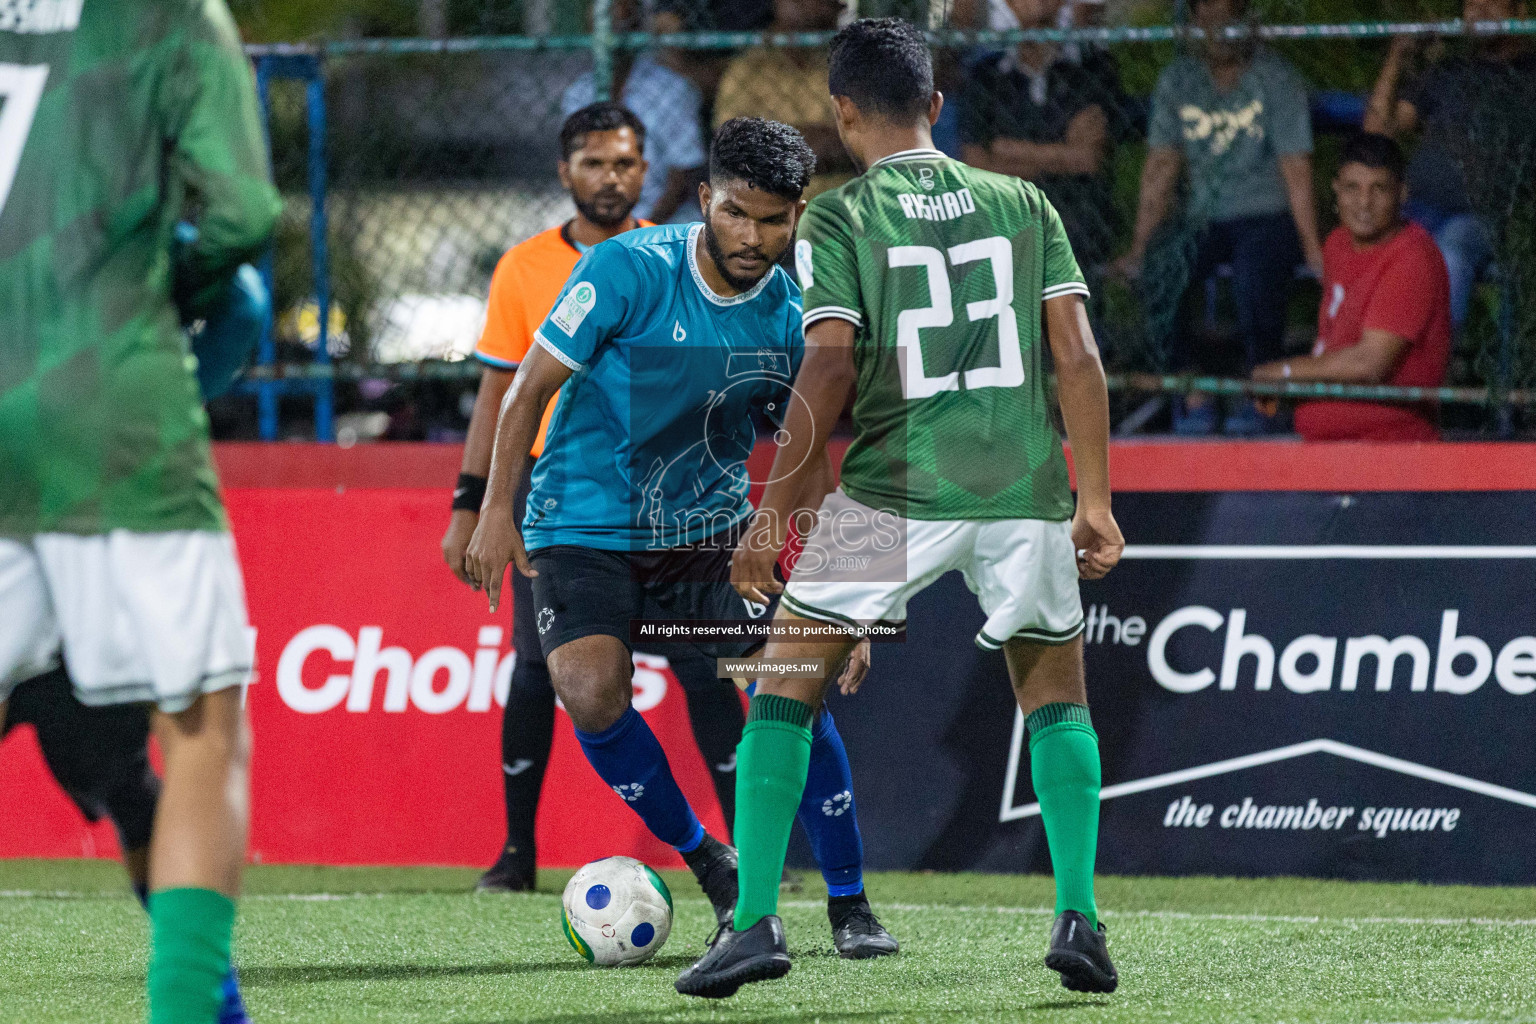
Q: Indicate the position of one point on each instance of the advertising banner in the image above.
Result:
(377, 706)
(1282, 684)
(1285, 681)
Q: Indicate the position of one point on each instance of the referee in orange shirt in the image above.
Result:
(602, 168)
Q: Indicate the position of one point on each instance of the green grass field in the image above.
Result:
(412, 945)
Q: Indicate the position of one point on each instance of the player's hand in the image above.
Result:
(752, 563)
(495, 543)
(1098, 541)
(854, 669)
(460, 528)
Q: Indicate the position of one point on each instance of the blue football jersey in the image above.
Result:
(647, 448)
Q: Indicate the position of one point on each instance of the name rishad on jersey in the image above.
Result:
(40, 16)
(944, 206)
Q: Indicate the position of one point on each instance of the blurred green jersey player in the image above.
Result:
(930, 286)
(114, 550)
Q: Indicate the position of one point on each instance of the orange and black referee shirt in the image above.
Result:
(524, 287)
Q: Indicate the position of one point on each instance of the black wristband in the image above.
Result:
(469, 492)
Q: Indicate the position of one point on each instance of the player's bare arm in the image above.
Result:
(496, 540)
(1085, 411)
(821, 388)
(478, 442)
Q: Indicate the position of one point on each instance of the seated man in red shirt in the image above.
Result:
(1386, 312)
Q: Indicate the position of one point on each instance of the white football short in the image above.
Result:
(138, 617)
(861, 566)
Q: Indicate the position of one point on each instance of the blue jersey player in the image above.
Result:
(668, 347)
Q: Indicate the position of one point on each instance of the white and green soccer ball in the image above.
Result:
(616, 912)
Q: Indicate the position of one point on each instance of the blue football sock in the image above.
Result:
(826, 811)
(629, 758)
(231, 1006)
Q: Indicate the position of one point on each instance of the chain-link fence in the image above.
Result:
(439, 154)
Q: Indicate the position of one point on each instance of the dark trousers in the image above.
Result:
(527, 725)
(1263, 253)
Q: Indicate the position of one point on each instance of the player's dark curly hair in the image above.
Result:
(597, 117)
(884, 67)
(767, 155)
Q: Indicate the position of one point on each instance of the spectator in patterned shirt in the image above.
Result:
(1236, 118)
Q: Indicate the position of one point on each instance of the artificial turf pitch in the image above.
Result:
(338, 945)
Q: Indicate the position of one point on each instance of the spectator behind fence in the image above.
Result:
(1034, 113)
(1446, 102)
(790, 86)
(1386, 310)
(669, 106)
(1236, 117)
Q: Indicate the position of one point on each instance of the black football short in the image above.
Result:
(98, 755)
(582, 591)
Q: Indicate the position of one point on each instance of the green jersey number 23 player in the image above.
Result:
(929, 287)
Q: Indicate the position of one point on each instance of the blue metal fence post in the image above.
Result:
(602, 49)
(325, 391)
(266, 349)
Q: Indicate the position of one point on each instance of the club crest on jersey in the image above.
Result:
(925, 178)
(803, 264)
(573, 309)
(944, 206)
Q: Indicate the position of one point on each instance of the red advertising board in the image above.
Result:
(375, 709)
(377, 704)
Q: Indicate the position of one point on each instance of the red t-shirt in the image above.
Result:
(1399, 286)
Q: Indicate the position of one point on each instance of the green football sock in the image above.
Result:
(771, 765)
(190, 933)
(1064, 764)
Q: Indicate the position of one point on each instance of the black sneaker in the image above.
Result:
(714, 865)
(1081, 955)
(736, 959)
(512, 872)
(856, 932)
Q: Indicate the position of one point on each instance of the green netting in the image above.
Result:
(442, 153)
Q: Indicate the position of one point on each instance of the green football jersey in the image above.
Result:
(114, 116)
(942, 269)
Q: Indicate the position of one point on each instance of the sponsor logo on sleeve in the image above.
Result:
(803, 264)
(573, 309)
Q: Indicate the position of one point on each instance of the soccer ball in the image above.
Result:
(616, 912)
